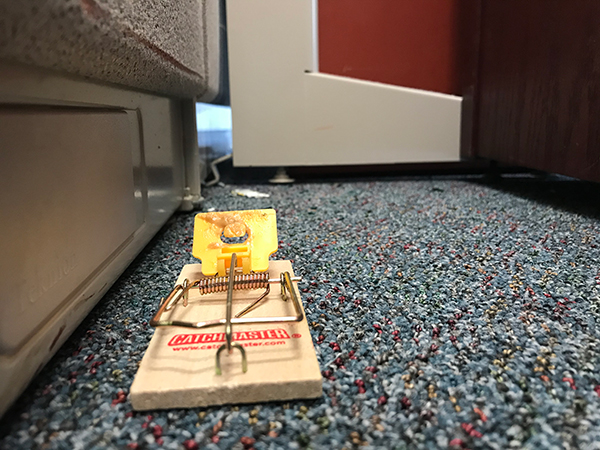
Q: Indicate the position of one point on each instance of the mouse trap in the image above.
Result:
(233, 328)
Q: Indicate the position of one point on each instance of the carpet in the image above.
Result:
(445, 312)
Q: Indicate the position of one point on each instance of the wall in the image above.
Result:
(424, 44)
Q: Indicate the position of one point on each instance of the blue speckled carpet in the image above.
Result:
(445, 313)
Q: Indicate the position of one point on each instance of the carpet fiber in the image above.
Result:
(445, 313)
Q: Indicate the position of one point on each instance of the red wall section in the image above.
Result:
(423, 44)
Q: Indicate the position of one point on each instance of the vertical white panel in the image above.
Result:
(269, 45)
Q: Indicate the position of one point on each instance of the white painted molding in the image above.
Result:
(315, 35)
(286, 115)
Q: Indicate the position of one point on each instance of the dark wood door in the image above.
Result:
(538, 92)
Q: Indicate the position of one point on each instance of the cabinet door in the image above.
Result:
(286, 112)
(538, 98)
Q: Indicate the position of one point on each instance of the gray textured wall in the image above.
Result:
(168, 47)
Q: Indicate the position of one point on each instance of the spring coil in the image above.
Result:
(240, 282)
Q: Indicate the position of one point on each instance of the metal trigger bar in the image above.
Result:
(228, 329)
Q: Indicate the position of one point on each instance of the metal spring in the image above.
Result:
(240, 282)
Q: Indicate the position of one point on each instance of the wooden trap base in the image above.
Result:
(178, 369)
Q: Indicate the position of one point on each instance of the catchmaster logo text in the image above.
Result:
(200, 338)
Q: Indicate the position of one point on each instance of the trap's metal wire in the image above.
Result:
(230, 283)
(229, 345)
